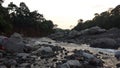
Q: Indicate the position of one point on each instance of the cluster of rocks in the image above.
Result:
(81, 59)
(94, 36)
(68, 34)
(16, 53)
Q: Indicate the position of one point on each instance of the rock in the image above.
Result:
(44, 52)
(65, 65)
(118, 65)
(13, 47)
(3, 66)
(23, 55)
(73, 33)
(25, 65)
(92, 31)
(2, 39)
(86, 57)
(104, 43)
(1, 55)
(117, 55)
(10, 62)
(71, 64)
(14, 44)
(17, 37)
(46, 49)
(96, 62)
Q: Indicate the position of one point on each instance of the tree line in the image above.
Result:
(20, 19)
(107, 19)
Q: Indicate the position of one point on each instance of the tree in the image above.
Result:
(107, 19)
(25, 21)
(5, 23)
(1, 1)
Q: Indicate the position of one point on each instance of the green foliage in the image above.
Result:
(5, 24)
(20, 19)
(106, 20)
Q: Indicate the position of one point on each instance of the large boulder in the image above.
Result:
(104, 43)
(73, 33)
(92, 30)
(44, 52)
(14, 44)
(85, 58)
(16, 37)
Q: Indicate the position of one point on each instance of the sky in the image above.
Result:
(66, 13)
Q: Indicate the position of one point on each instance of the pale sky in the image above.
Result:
(67, 12)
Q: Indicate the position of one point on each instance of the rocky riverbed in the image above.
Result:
(106, 55)
(48, 53)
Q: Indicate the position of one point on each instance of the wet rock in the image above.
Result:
(117, 55)
(25, 65)
(23, 55)
(71, 64)
(44, 52)
(85, 57)
(104, 43)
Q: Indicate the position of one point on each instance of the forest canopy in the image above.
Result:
(20, 19)
(107, 19)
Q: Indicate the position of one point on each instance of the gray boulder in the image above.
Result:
(2, 39)
(92, 30)
(73, 33)
(23, 55)
(44, 52)
(16, 37)
(70, 64)
(25, 65)
(46, 49)
(14, 44)
(104, 43)
(117, 55)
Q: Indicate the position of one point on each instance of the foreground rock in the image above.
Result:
(53, 55)
(14, 44)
